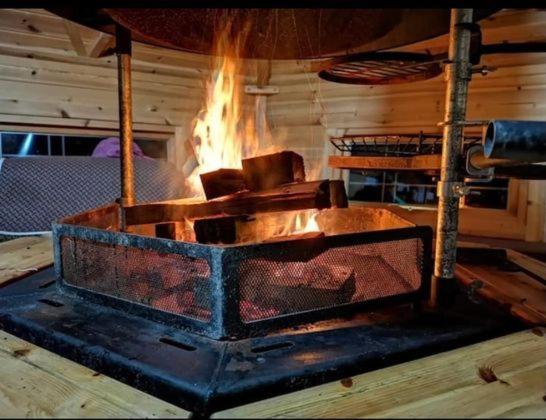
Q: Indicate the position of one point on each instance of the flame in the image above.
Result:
(223, 132)
(305, 222)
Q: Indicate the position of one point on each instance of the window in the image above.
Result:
(410, 187)
(392, 187)
(14, 144)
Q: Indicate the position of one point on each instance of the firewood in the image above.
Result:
(244, 228)
(216, 229)
(338, 195)
(167, 230)
(222, 182)
(270, 171)
(294, 236)
(297, 196)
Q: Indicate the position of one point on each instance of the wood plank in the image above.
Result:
(63, 130)
(29, 120)
(413, 163)
(534, 266)
(73, 32)
(302, 195)
(23, 256)
(102, 45)
(38, 383)
(515, 292)
(442, 385)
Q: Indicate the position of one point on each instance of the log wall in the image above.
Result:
(52, 80)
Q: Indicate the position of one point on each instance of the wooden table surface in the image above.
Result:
(37, 383)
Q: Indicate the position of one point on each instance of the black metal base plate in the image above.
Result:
(204, 375)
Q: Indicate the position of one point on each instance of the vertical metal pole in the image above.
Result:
(458, 74)
(123, 52)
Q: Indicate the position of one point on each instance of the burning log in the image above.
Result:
(217, 229)
(222, 182)
(338, 195)
(297, 287)
(302, 195)
(167, 230)
(270, 171)
(239, 229)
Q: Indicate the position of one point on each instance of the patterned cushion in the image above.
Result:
(35, 191)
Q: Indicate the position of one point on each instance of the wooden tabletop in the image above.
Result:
(503, 377)
(496, 378)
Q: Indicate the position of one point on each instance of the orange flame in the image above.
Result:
(223, 132)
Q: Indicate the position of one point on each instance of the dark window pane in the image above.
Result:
(56, 145)
(80, 146)
(12, 143)
(152, 148)
(35, 145)
(492, 194)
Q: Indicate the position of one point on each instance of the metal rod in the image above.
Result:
(458, 73)
(123, 52)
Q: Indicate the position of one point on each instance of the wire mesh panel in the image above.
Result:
(166, 281)
(271, 287)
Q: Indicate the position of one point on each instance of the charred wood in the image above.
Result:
(222, 182)
(270, 171)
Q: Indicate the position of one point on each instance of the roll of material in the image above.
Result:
(523, 141)
(35, 191)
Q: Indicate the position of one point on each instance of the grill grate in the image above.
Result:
(380, 68)
(395, 144)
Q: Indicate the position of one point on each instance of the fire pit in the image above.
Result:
(239, 290)
(210, 326)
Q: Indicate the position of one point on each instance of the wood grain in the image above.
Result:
(38, 383)
(439, 386)
(23, 256)
(413, 163)
(517, 292)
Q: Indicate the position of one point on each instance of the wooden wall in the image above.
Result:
(45, 80)
(307, 108)
(52, 80)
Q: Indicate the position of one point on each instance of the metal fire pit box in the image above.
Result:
(243, 290)
(203, 326)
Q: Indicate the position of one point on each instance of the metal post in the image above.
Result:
(458, 74)
(123, 52)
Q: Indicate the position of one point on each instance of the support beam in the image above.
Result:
(104, 45)
(75, 37)
(458, 72)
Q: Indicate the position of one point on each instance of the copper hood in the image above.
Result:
(274, 33)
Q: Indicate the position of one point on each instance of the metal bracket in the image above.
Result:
(261, 90)
(483, 70)
(477, 174)
(467, 123)
(451, 189)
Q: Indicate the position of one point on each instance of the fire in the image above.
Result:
(306, 222)
(223, 132)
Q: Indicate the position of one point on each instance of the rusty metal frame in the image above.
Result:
(226, 322)
(458, 73)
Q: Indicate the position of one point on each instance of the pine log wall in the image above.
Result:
(51, 79)
(308, 108)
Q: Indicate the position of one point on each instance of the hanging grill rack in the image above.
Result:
(395, 144)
